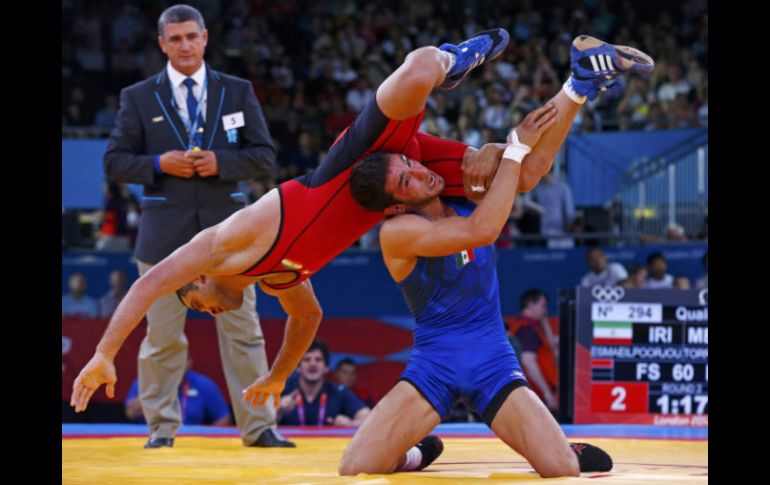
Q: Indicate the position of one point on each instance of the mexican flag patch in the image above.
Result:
(464, 257)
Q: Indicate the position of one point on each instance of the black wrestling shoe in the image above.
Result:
(591, 458)
(431, 447)
(159, 442)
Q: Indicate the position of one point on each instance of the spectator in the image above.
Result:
(90, 56)
(637, 277)
(110, 300)
(496, 115)
(125, 62)
(555, 197)
(470, 135)
(703, 281)
(674, 85)
(361, 46)
(199, 398)
(344, 73)
(539, 342)
(77, 302)
(634, 107)
(675, 233)
(302, 157)
(113, 234)
(602, 273)
(282, 74)
(681, 113)
(75, 109)
(347, 375)
(128, 26)
(105, 117)
(510, 230)
(339, 118)
(312, 400)
(656, 266)
(681, 283)
(356, 98)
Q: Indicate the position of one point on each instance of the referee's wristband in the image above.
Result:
(517, 150)
(157, 164)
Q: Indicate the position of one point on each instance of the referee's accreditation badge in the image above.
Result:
(464, 257)
(231, 123)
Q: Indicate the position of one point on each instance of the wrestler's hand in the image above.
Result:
(479, 169)
(535, 124)
(263, 388)
(99, 370)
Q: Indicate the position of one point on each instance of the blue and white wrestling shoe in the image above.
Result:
(482, 47)
(596, 64)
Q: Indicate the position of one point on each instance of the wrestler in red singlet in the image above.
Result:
(320, 219)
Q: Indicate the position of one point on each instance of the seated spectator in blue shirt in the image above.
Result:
(110, 300)
(312, 400)
(76, 302)
(199, 398)
(347, 375)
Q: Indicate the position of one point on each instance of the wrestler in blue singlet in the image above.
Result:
(460, 344)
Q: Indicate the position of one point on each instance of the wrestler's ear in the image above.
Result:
(395, 210)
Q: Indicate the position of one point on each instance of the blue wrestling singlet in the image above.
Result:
(460, 343)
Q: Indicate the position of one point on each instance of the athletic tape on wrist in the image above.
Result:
(516, 150)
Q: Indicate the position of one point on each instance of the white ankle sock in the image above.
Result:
(571, 94)
(413, 459)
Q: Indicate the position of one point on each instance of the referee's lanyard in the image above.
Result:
(191, 123)
(301, 410)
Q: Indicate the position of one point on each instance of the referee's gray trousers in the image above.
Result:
(163, 356)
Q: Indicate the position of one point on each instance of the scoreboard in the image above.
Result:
(640, 356)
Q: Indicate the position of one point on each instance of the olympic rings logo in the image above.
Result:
(608, 293)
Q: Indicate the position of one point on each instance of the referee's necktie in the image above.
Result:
(192, 109)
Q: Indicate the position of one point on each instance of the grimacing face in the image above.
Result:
(210, 297)
(410, 182)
